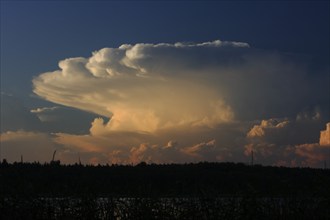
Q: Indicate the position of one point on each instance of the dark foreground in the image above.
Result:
(190, 191)
(165, 208)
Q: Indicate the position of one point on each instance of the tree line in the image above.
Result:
(202, 179)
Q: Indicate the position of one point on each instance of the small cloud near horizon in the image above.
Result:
(183, 102)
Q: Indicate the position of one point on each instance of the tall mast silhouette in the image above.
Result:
(53, 156)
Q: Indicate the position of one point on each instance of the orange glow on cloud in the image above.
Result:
(212, 101)
(325, 136)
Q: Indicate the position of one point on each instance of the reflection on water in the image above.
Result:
(165, 208)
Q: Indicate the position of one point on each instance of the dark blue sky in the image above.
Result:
(36, 35)
(201, 100)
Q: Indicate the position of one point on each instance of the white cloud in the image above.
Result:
(179, 145)
(312, 154)
(278, 142)
(191, 93)
(201, 147)
(44, 109)
(316, 153)
(145, 87)
(325, 136)
(268, 127)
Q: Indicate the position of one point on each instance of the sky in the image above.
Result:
(166, 81)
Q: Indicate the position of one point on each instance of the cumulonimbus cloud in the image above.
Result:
(145, 87)
(205, 95)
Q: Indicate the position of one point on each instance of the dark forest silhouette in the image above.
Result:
(162, 191)
(161, 180)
